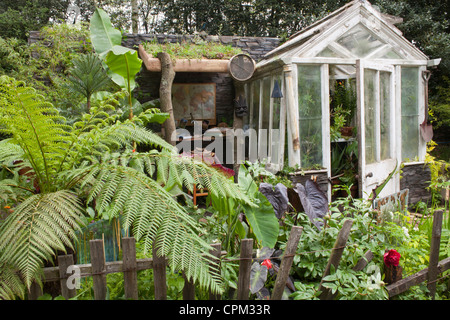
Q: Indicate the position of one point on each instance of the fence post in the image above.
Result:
(335, 257)
(286, 262)
(98, 269)
(35, 291)
(188, 289)
(434, 253)
(159, 275)
(63, 263)
(362, 263)
(129, 268)
(215, 266)
(245, 264)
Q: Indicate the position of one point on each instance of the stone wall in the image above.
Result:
(416, 178)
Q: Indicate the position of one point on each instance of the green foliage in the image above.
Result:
(87, 76)
(103, 35)
(197, 49)
(124, 64)
(262, 219)
(18, 18)
(68, 167)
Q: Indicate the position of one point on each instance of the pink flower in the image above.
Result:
(267, 263)
(391, 258)
(228, 172)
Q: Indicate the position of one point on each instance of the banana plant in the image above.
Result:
(123, 63)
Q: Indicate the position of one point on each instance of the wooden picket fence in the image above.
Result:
(129, 266)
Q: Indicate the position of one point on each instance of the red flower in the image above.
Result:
(267, 263)
(226, 171)
(391, 258)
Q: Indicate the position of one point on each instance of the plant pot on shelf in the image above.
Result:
(347, 131)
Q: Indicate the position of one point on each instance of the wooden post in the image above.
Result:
(434, 253)
(63, 263)
(362, 263)
(129, 268)
(159, 275)
(98, 269)
(165, 94)
(35, 291)
(188, 289)
(245, 265)
(291, 110)
(215, 266)
(393, 274)
(335, 257)
(238, 123)
(286, 262)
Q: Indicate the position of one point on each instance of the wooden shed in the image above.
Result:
(352, 64)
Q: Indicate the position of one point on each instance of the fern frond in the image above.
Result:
(154, 216)
(34, 125)
(184, 171)
(40, 225)
(11, 285)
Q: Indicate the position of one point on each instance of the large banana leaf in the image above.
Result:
(261, 218)
(124, 64)
(103, 35)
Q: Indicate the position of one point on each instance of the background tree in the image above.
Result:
(19, 17)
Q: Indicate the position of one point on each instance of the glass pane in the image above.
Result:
(410, 113)
(255, 105)
(385, 119)
(263, 135)
(360, 41)
(266, 103)
(369, 115)
(327, 52)
(310, 115)
(391, 54)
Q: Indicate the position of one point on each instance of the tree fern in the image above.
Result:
(93, 158)
(34, 125)
(153, 215)
(40, 225)
(11, 286)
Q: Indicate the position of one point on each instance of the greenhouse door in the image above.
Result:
(376, 128)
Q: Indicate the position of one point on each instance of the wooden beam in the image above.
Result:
(335, 257)
(415, 279)
(286, 262)
(185, 65)
(245, 266)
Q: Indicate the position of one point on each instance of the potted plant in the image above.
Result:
(343, 103)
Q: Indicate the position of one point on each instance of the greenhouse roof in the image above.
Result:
(355, 31)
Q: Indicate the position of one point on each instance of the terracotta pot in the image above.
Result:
(347, 131)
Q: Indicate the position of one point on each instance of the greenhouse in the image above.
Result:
(351, 69)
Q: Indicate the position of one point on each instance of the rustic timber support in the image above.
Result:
(64, 262)
(184, 65)
(238, 123)
(286, 262)
(245, 267)
(335, 257)
(98, 269)
(165, 94)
